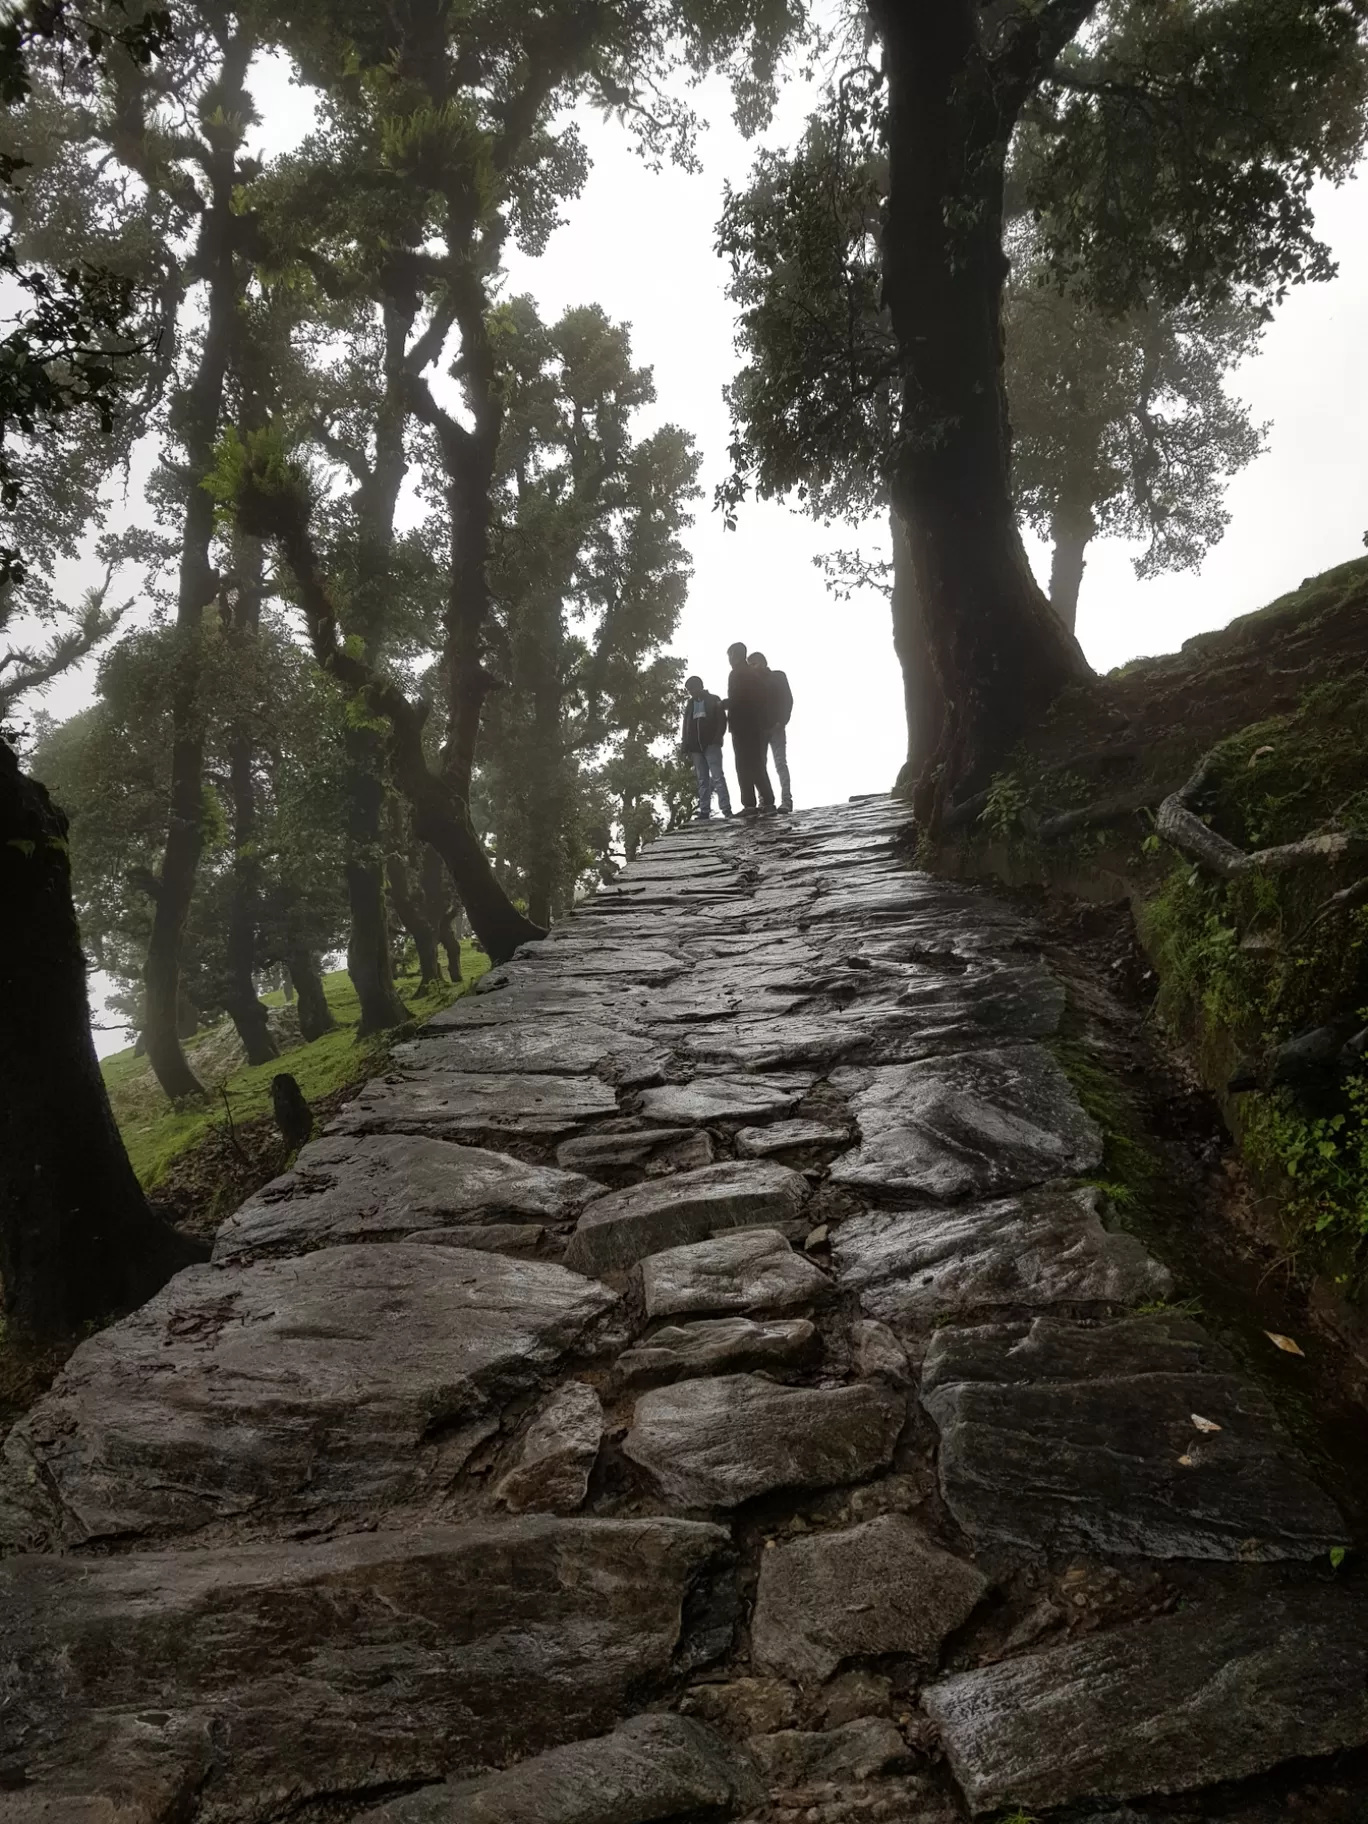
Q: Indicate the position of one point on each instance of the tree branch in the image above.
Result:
(1182, 829)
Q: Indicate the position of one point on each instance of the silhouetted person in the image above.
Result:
(700, 737)
(781, 708)
(748, 711)
(293, 1116)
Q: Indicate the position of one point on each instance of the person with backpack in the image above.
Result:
(700, 737)
(780, 699)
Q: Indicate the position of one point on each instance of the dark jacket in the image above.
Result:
(781, 699)
(748, 703)
(707, 730)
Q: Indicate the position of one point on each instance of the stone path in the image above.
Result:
(698, 1383)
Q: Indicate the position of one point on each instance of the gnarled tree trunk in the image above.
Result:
(441, 915)
(413, 917)
(315, 1015)
(1071, 532)
(1000, 655)
(245, 1010)
(922, 701)
(78, 1243)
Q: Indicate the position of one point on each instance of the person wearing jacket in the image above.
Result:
(700, 737)
(776, 739)
(748, 714)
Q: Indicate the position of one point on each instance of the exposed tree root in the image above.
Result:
(1183, 829)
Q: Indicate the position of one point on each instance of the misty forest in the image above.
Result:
(344, 637)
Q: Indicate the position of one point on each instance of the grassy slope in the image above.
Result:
(1280, 697)
(157, 1135)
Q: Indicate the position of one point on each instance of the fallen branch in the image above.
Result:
(1105, 810)
(1183, 829)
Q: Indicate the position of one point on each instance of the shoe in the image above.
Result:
(767, 810)
(787, 808)
(703, 817)
(748, 810)
(729, 813)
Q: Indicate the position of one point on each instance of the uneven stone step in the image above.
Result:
(716, 1443)
(974, 1123)
(584, 958)
(854, 1753)
(1216, 1692)
(784, 1136)
(479, 1108)
(652, 1767)
(749, 1270)
(723, 1345)
(328, 1388)
(553, 1047)
(645, 1218)
(913, 1268)
(724, 1098)
(557, 1455)
(247, 1682)
(392, 1187)
(630, 1144)
(1058, 1434)
(883, 1587)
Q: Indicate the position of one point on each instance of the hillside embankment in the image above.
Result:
(764, 1356)
(1257, 980)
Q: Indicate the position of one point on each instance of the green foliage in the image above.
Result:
(1007, 799)
(1128, 1166)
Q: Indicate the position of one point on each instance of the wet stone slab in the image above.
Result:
(1058, 1435)
(723, 1345)
(883, 1587)
(646, 1218)
(331, 1387)
(913, 1268)
(724, 1098)
(975, 1123)
(749, 1270)
(459, 1107)
(389, 1187)
(785, 1136)
(649, 1768)
(263, 1677)
(1217, 1692)
(557, 1454)
(556, 1047)
(633, 1146)
(716, 1443)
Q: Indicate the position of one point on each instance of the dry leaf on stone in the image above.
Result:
(1186, 1461)
(1285, 1343)
(1205, 1424)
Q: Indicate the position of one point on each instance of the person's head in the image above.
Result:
(737, 654)
(758, 662)
(694, 686)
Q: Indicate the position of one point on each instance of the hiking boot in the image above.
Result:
(786, 806)
(766, 810)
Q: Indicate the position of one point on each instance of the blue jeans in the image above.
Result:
(778, 746)
(711, 778)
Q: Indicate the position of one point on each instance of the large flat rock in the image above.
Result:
(618, 1230)
(387, 1187)
(244, 1683)
(748, 1270)
(327, 1388)
(971, 1124)
(474, 1107)
(725, 1098)
(649, 1768)
(716, 1443)
(1059, 1435)
(883, 1587)
(552, 1047)
(632, 1146)
(720, 1345)
(912, 1268)
(1216, 1692)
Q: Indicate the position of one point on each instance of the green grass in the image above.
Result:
(156, 1134)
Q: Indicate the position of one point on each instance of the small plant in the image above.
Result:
(1018, 1816)
(1007, 799)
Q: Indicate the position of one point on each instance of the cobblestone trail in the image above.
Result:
(698, 1383)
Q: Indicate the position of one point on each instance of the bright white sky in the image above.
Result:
(640, 244)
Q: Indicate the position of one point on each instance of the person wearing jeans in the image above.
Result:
(700, 737)
(776, 735)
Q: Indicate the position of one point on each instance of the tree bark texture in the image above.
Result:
(1070, 533)
(315, 1015)
(1000, 654)
(441, 915)
(922, 700)
(413, 917)
(245, 1009)
(78, 1243)
(198, 425)
(369, 963)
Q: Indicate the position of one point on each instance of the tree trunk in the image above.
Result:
(78, 1244)
(315, 1015)
(922, 700)
(440, 914)
(548, 799)
(413, 917)
(1000, 655)
(244, 1008)
(199, 413)
(1071, 533)
(368, 953)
